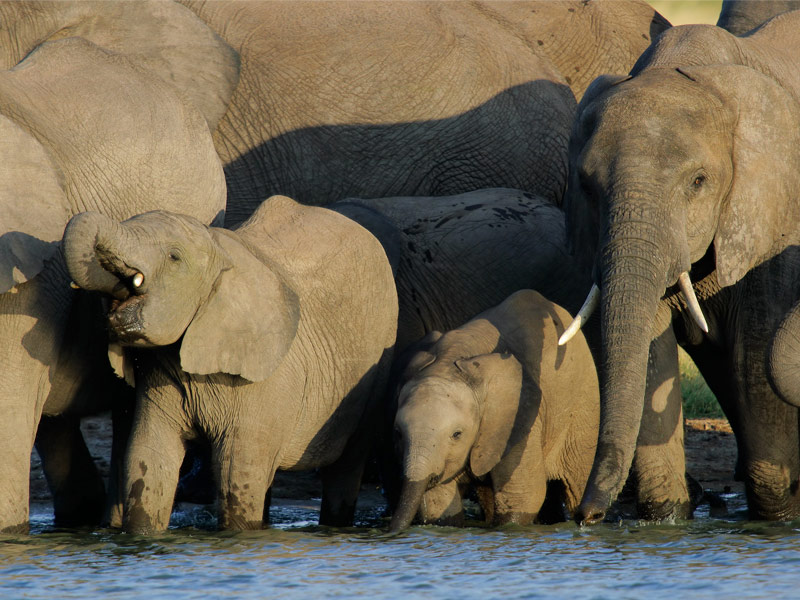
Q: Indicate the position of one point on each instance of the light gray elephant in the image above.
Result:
(379, 99)
(82, 128)
(266, 342)
(497, 404)
(692, 165)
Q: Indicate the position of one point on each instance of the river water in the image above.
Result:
(703, 558)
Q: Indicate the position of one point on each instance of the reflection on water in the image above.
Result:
(703, 558)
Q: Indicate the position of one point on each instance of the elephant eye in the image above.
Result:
(698, 182)
(457, 435)
(174, 255)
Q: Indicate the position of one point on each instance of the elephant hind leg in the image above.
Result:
(79, 495)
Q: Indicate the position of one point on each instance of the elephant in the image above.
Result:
(456, 256)
(415, 99)
(497, 404)
(682, 200)
(267, 342)
(82, 128)
(741, 16)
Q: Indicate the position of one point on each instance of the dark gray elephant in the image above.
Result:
(741, 16)
(692, 164)
(83, 128)
(266, 343)
(497, 404)
(456, 256)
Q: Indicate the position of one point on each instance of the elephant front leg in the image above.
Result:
(244, 478)
(151, 472)
(79, 495)
(442, 505)
(520, 484)
(659, 462)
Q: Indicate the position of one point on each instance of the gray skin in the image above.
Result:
(497, 404)
(692, 164)
(265, 342)
(450, 97)
(82, 129)
(456, 256)
(741, 16)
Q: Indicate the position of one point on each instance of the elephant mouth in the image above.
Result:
(125, 319)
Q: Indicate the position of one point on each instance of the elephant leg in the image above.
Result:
(121, 422)
(244, 476)
(152, 466)
(520, 484)
(659, 462)
(442, 505)
(341, 482)
(79, 494)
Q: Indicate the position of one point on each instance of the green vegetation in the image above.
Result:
(698, 401)
(682, 12)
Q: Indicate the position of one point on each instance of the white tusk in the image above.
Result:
(583, 314)
(137, 280)
(685, 283)
(74, 285)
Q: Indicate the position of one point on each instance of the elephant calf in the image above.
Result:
(265, 342)
(499, 405)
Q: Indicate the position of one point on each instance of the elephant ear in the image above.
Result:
(249, 321)
(583, 220)
(509, 401)
(762, 209)
(33, 207)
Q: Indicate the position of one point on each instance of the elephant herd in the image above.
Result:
(301, 234)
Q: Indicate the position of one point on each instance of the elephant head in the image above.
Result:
(173, 278)
(668, 167)
(455, 414)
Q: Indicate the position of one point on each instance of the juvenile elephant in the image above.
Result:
(692, 164)
(266, 342)
(497, 404)
(82, 128)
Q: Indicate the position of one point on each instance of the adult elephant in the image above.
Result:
(378, 99)
(692, 164)
(741, 16)
(83, 129)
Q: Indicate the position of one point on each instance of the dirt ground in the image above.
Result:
(710, 457)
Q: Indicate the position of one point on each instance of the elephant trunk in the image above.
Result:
(408, 505)
(86, 236)
(632, 283)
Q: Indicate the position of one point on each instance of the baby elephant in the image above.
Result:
(266, 342)
(497, 404)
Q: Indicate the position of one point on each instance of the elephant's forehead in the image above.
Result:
(433, 388)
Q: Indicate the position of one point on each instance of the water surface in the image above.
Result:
(703, 558)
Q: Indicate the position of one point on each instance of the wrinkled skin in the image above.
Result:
(741, 16)
(450, 97)
(81, 129)
(497, 404)
(692, 165)
(456, 256)
(265, 343)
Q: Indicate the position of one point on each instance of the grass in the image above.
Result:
(698, 401)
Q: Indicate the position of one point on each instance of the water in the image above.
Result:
(703, 558)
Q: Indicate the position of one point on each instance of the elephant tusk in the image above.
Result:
(74, 285)
(137, 280)
(583, 314)
(685, 283)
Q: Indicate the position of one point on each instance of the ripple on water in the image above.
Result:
(703, 558)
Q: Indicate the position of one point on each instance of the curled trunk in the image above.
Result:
(86, 233)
